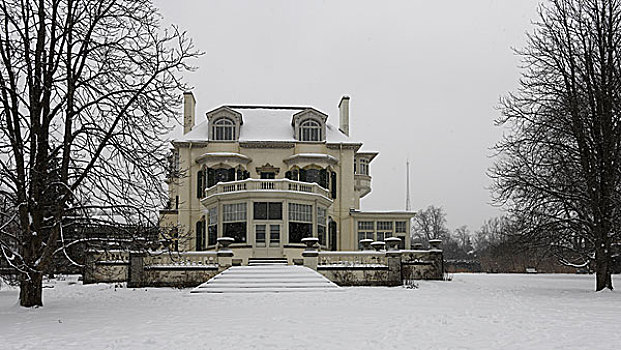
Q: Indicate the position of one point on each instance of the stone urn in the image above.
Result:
(366, 243)
(225, 242)
(435, 243)
(378, 245)
(311, 242)
(393, 243)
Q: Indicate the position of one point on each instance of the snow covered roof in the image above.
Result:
(265, 123)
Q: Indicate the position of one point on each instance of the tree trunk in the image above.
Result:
(603, 272)
(31, 290)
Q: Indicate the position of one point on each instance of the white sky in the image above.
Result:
(424, 77)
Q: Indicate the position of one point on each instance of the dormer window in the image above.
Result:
(309, 125)
(224, 130)
(310, 130)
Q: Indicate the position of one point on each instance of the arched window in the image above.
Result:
(310, 130)
(224, 130)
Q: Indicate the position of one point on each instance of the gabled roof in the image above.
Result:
(265, 123)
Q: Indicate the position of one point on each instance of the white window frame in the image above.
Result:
(300, 212)
(224, 129)
(235, 212)
(310, 131)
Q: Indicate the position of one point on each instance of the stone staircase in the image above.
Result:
(267, 261)
(267, 275)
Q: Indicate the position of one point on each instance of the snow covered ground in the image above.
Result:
(474, 311)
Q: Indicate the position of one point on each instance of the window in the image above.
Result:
(400, 226)
(224, 130)
(366, 226)
(321, 225)
(300, 222)
(259, 232)
(268, 211)
(384, 230)
(310, 130)
(220, 175)
(268, 175)
(200, 235)
(234, 221)
(234, 212)
(200, 184)
(212, 230)
(365, 231)
(364, 167)
(300, 212)
(274, 235)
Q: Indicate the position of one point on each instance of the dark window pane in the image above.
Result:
(212, 237)
(236, 230)
(313, 175)
(274, 235)
(275, 211)
(224, 175)
(267, 175)
(199, 235)
(260, 235)
(323, 178)
(200, 190)
(211, 177)
(321, 234)
(260, 211)
(298, 230)
(333, 181)
(332, 226)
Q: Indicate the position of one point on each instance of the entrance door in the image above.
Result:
(267, 240)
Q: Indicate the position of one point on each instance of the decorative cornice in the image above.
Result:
(268, 168)
(223, 157)
(310, 158)
(354, 146)
(267, 144)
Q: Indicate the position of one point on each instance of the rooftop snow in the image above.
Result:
(265, 124)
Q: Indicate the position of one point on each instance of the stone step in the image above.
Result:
(264, 290)
(282, 281)
(277, 278)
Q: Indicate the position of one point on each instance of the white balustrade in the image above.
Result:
(266, 185)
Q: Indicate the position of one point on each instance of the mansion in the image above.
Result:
(269, 176)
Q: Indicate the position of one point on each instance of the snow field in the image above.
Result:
(474, 311)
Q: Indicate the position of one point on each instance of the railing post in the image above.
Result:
(310, 253)
(136, 270)
(393, 257)
(224, 253)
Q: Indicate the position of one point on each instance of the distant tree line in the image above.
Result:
(497, 246)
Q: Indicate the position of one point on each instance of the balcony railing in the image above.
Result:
(266, 185)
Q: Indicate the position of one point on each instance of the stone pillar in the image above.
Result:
(436, 255)
(393, 259)
(225, 254)
(310, 253)
(136, 270)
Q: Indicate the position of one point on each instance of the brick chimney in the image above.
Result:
(189, 111)
(344, 115)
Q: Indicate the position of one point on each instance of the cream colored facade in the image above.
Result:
(269, 176)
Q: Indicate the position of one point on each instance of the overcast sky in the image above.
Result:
(424, 77)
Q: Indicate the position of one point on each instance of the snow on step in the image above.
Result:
(266, 278)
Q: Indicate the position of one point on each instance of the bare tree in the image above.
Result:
(430, 224)
(558, 168)
(87, 89)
